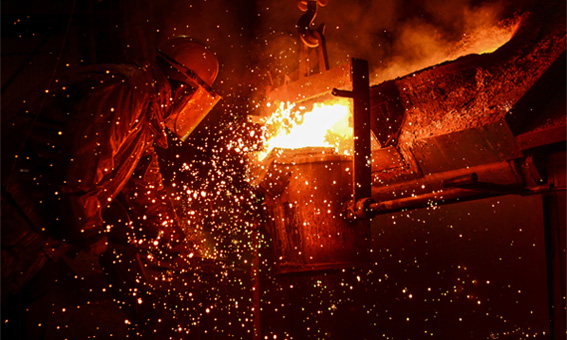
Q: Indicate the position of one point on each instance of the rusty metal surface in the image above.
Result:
(387, 158)
(459, 150)
(479, 113)
(474, 90)
(408, 169)
(387, 113)
(306, 228)
(503, 173)
(530, 140)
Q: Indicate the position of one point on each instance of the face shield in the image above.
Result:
(195, 100)
(189, 110)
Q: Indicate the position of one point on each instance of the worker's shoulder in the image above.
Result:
(127, 74)
(117, 72)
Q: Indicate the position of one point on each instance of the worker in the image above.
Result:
(86, 144)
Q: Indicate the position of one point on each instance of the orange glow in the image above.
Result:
(328, 124)
(423, 48)
(481, 41)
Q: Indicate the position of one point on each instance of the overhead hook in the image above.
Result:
(311, 38)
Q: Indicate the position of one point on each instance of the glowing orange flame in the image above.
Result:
(326, 125)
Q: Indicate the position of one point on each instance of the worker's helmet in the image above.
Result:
(192, 69)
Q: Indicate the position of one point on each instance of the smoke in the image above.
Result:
(257, 42)
(396, 37)
(454, 31)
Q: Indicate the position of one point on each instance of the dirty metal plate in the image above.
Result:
(486, 144)
(386, 159)
(542, 137)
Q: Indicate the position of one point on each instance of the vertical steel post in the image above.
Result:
(361, 121)
(360, 206)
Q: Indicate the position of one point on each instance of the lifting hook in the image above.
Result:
(311, 38)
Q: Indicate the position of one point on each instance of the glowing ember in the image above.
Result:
(292, 127)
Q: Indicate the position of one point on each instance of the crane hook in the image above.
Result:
(311, 38)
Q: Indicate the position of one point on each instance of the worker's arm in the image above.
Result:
(155, 223)
(106, 144)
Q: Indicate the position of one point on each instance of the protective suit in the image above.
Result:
(69, 155)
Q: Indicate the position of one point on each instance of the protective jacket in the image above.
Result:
(76, 149)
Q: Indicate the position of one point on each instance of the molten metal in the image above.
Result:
(327, 124)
